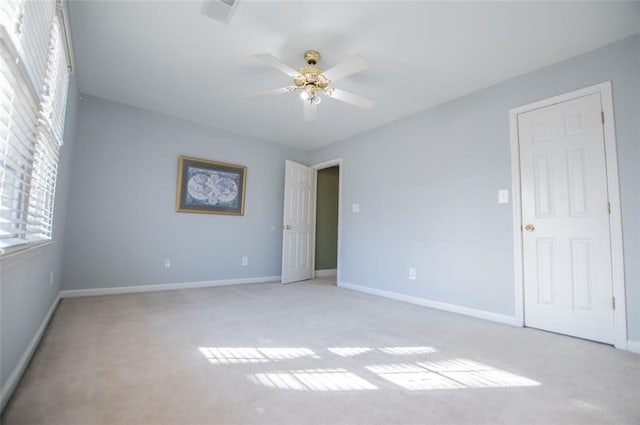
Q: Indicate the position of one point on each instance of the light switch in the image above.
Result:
(503, 196)
(355, 208)
(412, 273)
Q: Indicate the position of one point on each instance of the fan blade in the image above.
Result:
(346, 68)
(267, 93)
(277, 63)
(354, 99)
(309, 111)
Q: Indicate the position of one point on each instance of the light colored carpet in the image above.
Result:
(310, 353)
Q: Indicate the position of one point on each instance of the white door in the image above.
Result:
(297, 227)
(565, 215)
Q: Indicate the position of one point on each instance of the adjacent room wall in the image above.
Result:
(122, 217)
(427, 188)
(327, 218)
(27, 293)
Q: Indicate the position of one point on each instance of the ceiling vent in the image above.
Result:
(220, 10)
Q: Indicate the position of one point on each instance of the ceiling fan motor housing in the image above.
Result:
(311, 78)
(312, 57)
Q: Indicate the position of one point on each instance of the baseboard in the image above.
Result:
(326, 273)
(14, 378)
(452, 308)
(70, 293)
(633, 346)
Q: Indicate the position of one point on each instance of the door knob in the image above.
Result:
(286, 227)
(529, 227)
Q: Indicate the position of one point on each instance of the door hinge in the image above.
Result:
(602, 115)
(613, 302)
(609, 207)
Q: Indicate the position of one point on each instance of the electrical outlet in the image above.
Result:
(412, 273)
(167, 263)
(245, 260)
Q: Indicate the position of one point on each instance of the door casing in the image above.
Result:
(615, 219)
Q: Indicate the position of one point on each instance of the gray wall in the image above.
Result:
(327, 218)
(25, 293)
(122, 218)
(427, 188)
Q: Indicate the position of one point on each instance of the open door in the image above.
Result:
(297, 226)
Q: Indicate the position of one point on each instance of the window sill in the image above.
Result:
(18, 251)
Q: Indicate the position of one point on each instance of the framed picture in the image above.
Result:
(210, 187)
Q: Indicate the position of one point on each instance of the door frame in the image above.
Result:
(326, 164)
(613, 188)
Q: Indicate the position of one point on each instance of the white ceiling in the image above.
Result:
(167, 57)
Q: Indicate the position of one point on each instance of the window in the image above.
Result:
(34, 78)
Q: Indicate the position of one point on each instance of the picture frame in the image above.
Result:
(210, 187)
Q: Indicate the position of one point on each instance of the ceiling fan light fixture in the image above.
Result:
(310, 93)
(311, 97)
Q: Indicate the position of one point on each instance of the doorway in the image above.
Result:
(299, 222)
(566, 208)
(326, 250)
(328, 217)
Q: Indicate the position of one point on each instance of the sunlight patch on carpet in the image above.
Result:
(313, 380)
(236, 355)
(448, 374)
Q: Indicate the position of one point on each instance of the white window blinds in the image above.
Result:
(18, 120)
(33, 91)
(10, 15)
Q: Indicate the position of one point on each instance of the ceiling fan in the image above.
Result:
(313, 82)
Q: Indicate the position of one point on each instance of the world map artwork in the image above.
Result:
(213, 188)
